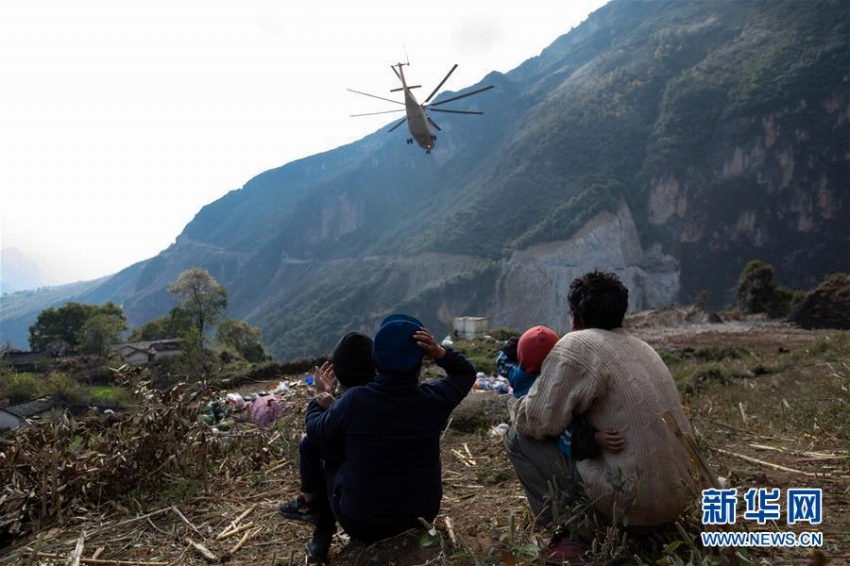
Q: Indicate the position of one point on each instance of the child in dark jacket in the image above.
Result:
(350, 366)
(390, 429)
(580, 440)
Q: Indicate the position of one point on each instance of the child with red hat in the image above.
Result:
(580, 440)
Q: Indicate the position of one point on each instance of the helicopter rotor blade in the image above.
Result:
(442, 82)
(376, 113)
(452, 99)
(454, 111)
(402, 121)
(433, 123)
(375, 96)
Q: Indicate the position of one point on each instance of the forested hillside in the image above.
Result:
(670, 141)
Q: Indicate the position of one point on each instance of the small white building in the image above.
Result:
(470, 327)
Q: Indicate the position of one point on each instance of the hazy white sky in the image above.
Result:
(120, 120)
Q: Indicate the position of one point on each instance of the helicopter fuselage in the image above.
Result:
(417, 123)
(417, 119)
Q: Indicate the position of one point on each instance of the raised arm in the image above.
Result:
(326, 426)
(460, 373)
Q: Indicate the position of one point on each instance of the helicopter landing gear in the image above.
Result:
(427, 152)
(409, 141)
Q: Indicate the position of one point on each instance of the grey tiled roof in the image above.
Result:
(30, 408)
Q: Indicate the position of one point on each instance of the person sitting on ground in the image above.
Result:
(580, 439)
(389, 431)
(619, 383)
(350, 366)
(506, 359)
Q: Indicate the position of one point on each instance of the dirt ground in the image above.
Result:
(786, 427)
(783, 426)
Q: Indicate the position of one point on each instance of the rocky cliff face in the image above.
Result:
(528, 288)
(670, 142)
(533, 285)
(775, 194)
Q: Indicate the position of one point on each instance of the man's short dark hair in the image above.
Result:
(598, 300)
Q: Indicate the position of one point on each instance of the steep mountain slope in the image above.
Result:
(670, 141)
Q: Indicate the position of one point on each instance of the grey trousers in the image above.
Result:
(549, 478)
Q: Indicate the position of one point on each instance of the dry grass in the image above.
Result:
(158, 487)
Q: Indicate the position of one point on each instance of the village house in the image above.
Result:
(35, 361)
(142, 353)
(15, 416)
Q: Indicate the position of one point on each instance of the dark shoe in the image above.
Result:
(317, 550)
(560, 549)
(299, 509)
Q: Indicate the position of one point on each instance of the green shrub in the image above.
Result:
(67, 391)
(22, 387)
(110, 397)
(719, 353)
(757, 292)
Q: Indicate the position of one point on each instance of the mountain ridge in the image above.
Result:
(690, 136)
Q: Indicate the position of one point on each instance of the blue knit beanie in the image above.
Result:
(394, 349)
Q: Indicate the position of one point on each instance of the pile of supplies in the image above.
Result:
(498, 383)
(262, 409)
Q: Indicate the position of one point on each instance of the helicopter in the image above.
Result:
(418, 121)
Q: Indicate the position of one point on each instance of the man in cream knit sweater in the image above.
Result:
(617, 382)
